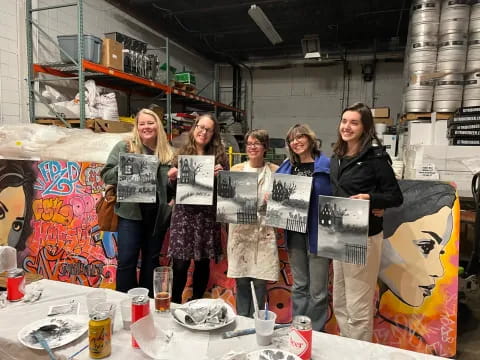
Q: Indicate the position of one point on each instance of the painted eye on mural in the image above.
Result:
(3, 211)
(426, 246)
(17, 225)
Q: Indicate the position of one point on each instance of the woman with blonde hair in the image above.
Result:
(194, 232)
(141, 226)
(310, 271)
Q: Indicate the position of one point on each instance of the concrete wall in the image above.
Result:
(313, 95)
(13, 102)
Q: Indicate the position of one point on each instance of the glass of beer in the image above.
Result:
(162, 287)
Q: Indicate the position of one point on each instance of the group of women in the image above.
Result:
(359, 169)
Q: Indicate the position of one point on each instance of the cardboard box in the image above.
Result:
(112, 126)
(387, 121)
(381, 112)
(112, 54)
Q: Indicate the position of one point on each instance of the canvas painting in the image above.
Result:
(237, 197)
(195, 179)
(287, 207)
(137, 178)
(343, 228)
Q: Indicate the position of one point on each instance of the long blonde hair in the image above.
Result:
(214, 147)
(163, 150)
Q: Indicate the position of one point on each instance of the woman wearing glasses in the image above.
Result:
(252, 249)
(310, 271)
(194, 232)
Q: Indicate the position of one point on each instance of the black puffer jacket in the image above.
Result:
(369, 172)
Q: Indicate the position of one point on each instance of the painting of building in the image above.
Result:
(195, 179)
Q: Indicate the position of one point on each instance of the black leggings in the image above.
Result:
(201, 275)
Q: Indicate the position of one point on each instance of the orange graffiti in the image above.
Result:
(52, 210)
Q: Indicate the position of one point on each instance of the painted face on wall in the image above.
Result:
(12, 212)
(411, 259)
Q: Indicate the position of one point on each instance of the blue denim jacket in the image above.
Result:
(320, 186)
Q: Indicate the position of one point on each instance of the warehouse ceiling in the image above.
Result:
(222, 30)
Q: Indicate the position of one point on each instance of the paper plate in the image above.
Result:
(272, 354)
(57, 331)
(206, 326)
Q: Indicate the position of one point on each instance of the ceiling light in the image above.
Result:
(257, 15)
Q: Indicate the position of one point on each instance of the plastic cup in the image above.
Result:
(264, 327)
(95, 297)
(109, 308)
(162, 287)
(126, 309)
(139, 291)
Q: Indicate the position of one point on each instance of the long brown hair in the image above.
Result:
(302, 129)
(369, 134)
(214, 147)
(163, 150)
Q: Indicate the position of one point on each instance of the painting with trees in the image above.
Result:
(343, 228)
(289, 200)
(137, 178)
(195, 179)
(237, 197)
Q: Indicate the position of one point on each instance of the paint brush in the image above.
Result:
(266, 310)
(235, 333)
(41, 340)
(254, 298)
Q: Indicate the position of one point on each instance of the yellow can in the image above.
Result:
(100, 335)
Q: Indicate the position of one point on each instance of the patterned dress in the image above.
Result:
(194, 232)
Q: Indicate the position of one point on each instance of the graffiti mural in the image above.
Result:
(48, 215)
(47, 212)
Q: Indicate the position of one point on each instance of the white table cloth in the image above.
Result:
(196, 344)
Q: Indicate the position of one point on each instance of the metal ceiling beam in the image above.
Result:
(218, 8)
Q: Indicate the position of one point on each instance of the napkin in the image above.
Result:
(8, 258)
(196, 313)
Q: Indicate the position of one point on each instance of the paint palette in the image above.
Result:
(57, 331)
(271, 354)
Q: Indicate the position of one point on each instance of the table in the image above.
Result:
(16, 315)
(29, 278)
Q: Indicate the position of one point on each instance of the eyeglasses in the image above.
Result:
(297, 138)
(202, 128)
(254, 145)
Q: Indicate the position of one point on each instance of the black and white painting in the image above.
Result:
(343, 228)
(195, 179)
(237, 197)
(137, 178)
(287, 207)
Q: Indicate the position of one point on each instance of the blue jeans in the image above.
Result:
(135, 236)
(244, 295)
(310, 280)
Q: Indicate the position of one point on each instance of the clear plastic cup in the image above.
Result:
(126, 309)
(162, 287)
(264, 327)
(109, 308)
(95, 297)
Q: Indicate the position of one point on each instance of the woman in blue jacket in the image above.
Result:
(310, 271)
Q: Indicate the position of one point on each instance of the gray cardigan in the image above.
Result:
(132, 211)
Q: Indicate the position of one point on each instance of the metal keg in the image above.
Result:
(452, 52)
(475, 16)
(447, 96)
(418, 97)
(425, 17)
(473, 54)
(471, 90)
(454, 17)
(422, 53)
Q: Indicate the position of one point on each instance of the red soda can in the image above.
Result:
(300, 337)
(140, 309)
(15, 284)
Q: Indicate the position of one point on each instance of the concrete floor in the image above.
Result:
(468, 337)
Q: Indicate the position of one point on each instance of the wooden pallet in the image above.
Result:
(425, 116)
(186, 87)
(97, 125)
(74, 123)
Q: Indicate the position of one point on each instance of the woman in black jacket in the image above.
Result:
(360, 169)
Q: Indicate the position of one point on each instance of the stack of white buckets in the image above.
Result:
(437, 45)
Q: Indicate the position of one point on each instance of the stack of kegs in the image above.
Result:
(452, 53)
(471, 90)
(421, 55)
(464, 127)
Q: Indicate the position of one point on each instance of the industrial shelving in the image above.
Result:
(108, 77)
